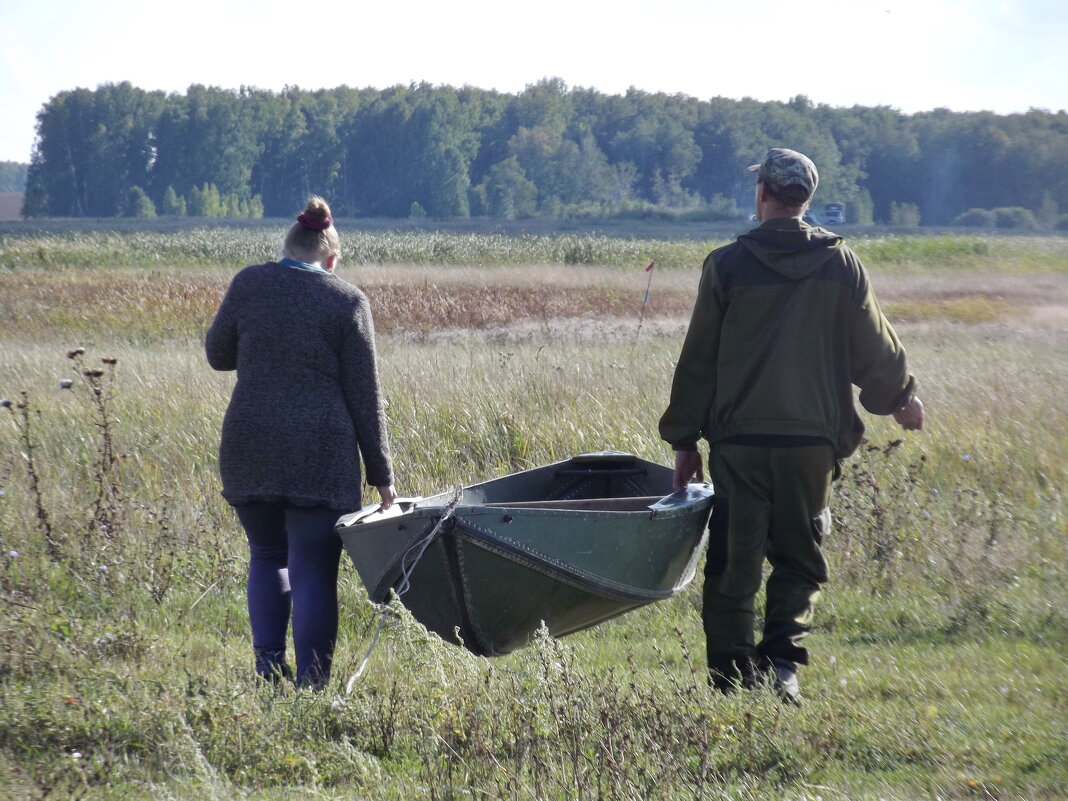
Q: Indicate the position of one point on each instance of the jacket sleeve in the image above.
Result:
(693, 387)
(220, 343)
(879, 365)
(363, 396)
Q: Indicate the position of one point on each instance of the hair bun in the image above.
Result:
(316, 214)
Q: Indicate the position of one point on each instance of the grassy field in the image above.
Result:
(939, 650)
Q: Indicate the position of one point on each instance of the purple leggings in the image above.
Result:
(293, 565)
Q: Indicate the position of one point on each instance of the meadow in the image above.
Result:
(125, 666)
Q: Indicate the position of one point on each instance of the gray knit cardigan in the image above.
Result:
(307, 402)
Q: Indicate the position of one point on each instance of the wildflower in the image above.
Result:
(13, 554)
(70, 701)
(103, 568)
(66, 383)
(957, 490)
(926, 515)
(966, 457)
(73, 354)
(934, 490)
(76, 755)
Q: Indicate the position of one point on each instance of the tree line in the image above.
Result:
(549, 150)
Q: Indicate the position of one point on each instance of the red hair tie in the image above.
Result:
(315, 225)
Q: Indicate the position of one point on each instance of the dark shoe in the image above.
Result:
(729, 673)
(271, 666)
(784, 680)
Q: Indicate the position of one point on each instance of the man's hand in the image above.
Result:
(388, 495)
(687, 466)
(910, 416)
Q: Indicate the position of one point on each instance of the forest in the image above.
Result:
(550, 150)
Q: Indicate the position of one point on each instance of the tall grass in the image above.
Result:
(125, 666)
(28, 246)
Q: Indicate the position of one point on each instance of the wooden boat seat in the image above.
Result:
(639, 504)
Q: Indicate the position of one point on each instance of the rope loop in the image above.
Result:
(409, 560)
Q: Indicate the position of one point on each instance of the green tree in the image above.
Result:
(138, 204)
(508, 192)
(904, 214)
(13, 176)
(172, 205)
(205, 201)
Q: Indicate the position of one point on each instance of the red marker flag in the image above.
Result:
(652, 264)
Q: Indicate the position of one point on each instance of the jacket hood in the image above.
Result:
(791, 247)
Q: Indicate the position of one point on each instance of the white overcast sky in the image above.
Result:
(913, 55)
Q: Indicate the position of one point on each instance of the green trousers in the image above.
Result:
(771, 503)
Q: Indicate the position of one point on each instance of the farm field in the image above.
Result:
(125, 666)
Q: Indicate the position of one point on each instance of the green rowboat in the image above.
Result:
(572, 544)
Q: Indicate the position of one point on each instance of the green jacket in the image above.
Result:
(784, 325)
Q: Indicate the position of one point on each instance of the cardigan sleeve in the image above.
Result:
(220, 343)
(363, 395)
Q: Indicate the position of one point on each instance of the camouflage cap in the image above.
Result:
(782, 168)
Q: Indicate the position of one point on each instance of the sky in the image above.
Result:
(913, 55)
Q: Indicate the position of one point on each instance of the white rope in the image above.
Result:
(408, 563)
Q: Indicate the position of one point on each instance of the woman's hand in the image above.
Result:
(388, 494)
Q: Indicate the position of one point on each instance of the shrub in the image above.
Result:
(1014, 217)
(976, 218)
(139, 205)
(905, 214)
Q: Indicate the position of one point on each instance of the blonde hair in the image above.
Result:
(313, 237)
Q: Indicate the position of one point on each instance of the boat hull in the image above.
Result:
(570, 544)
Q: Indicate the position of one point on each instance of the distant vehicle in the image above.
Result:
(834, 213)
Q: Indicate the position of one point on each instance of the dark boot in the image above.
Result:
(730, 672)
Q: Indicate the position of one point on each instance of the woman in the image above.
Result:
(305, 409)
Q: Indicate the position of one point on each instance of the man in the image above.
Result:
(785, 323)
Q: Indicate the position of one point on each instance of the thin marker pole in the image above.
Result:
(645, 300)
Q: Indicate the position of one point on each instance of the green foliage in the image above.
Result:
(139, 205)
(508, 192)
(375, 152)
(13, 176)
(172, 206)
(1062, 223)
(1015, 217)
(976, 218)
(416, 212)
(205, 201)
(906, 215)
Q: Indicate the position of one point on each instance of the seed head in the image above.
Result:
(109, 360)
(73, 354)
(94, 373)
